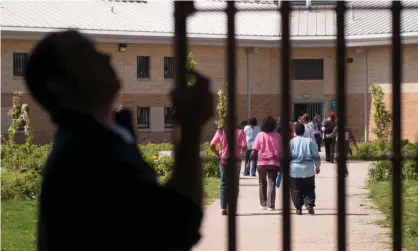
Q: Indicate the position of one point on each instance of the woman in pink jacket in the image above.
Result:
(241, 145)
(268, 147)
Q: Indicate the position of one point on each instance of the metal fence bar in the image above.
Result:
(232, 189)
(341, 102)
(286, 92)
(273, 9)
(396, 126)
(180, 42)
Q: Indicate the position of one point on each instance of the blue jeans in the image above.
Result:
(318, 141)
(254, 164)
(224, 184)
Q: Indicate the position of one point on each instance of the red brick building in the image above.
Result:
(145, 30)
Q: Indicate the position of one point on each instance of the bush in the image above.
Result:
(22, 164)
(20, 186)
(382, 170)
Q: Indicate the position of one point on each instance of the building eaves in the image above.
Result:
(155, 19)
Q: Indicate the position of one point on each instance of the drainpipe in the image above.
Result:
(248, 51)
(366, 96)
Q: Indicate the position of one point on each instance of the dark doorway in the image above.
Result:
(311, 108)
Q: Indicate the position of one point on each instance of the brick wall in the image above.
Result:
(264, 77)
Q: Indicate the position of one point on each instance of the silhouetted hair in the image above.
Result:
(46, 63)
(252, 121)
(269, 124)
(299, 129)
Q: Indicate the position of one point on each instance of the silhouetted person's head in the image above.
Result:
(299, 129)
(65, 72)
(269, 124)
(252, 121)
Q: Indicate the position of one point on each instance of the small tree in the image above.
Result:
(19, 113)
(381, 116)
(222, 108)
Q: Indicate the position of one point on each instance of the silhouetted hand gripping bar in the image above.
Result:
(194, 107)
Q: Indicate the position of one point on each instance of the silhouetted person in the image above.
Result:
(97, 191)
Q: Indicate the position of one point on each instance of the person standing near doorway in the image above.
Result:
(251, 131)
(305, 163)
(317, 131)
(328, 128)
(268, 147)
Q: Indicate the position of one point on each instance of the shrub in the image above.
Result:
(20, 186)
(382, 170)
(21, 166)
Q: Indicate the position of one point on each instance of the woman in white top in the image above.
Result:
(251, 131)
(309, 127)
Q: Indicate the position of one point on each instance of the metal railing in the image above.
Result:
(184, 9)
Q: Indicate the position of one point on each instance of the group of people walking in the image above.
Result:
(261, 148)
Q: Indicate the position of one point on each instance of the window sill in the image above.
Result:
(141, 129)
(143, 79)
(168, 129)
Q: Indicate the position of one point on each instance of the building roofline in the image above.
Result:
(23, 33)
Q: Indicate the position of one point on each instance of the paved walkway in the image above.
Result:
(259, 230)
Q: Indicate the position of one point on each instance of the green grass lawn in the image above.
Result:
(18, 225)
(18, 229)
(381, 193)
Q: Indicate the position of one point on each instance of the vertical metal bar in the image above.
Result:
(286, 93)
(341, 102)
(396, 126)
(182, 9)
(232, 190)
(180, 43)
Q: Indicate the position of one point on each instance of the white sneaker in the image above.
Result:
(263, 208)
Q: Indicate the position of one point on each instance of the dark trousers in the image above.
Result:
(225, 185)
(267, 178)
(253, 164)
(318, 140)
(329, 149)
(302, 191)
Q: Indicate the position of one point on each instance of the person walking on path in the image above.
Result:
(241, 145)
(267, 146)
(309, 126)
(317, 131)
(348, 136)
(305, 163)
(251, 131)
(328, 128)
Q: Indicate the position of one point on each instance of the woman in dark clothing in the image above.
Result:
(348, 136)
(328, 128)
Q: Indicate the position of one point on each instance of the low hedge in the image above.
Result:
(21, 167)
(382, 170)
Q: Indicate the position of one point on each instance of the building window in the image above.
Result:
(143, 117)
(307, 69)
(168, 117)
(20, 61)
(168, 67)
(142, 67)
